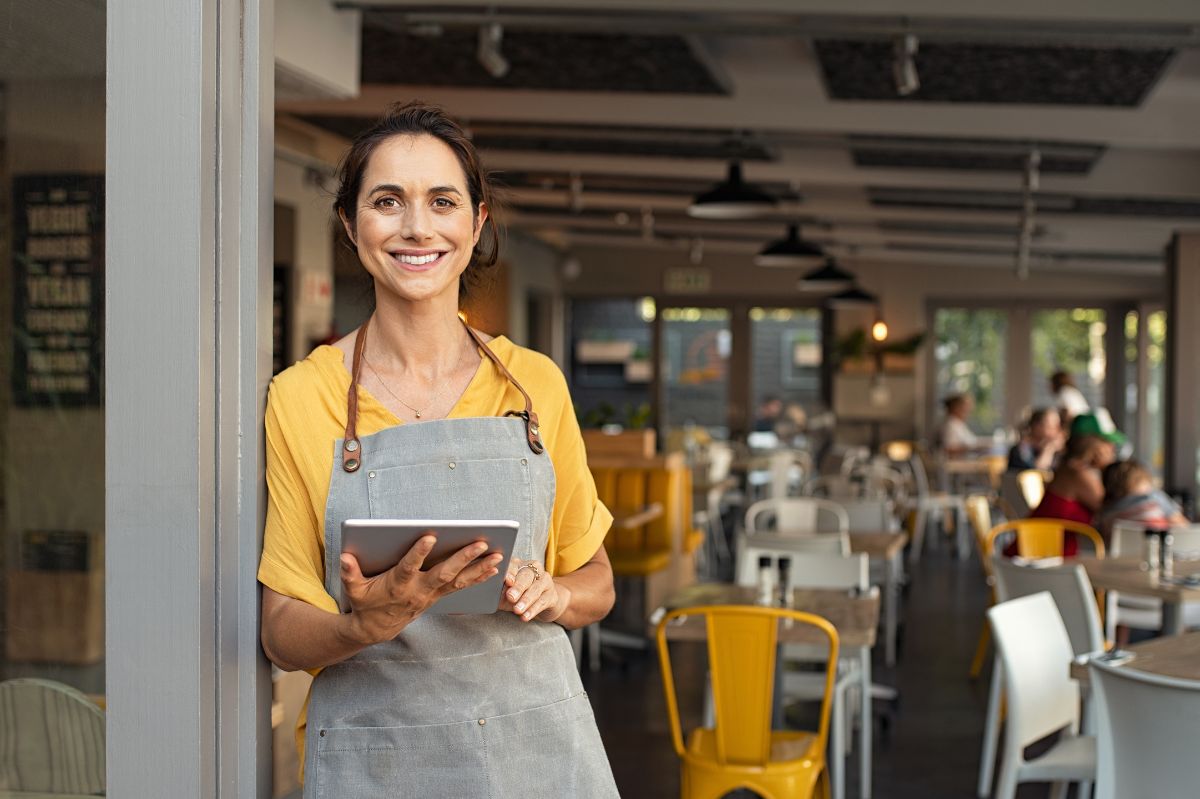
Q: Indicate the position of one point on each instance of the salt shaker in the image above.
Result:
(766, 581)
(785, 583)
(1166, 556)
(1151, 551)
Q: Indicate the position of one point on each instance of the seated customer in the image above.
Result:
(1040, 443)
(955, 437)
(1130, 495)
(1077, 491)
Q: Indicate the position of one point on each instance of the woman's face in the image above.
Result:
(414, 226)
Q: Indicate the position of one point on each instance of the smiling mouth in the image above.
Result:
(423, 261)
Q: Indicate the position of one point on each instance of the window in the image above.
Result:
(611, 368)
(1069, 340)
(695, 369)
(969, 353)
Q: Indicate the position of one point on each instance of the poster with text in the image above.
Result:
(58, 290)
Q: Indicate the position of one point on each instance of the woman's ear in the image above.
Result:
(480, 217)
(348, 225)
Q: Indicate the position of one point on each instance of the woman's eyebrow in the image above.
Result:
(394, 188)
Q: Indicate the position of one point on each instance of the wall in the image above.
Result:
(300, 188)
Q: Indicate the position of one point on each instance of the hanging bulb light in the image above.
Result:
(791, 250)
(733, 198)
(879, 330)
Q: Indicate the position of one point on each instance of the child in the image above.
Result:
(1129, 494)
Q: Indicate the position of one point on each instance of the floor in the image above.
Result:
(926, 747)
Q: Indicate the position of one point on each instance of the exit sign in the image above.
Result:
(687, 280)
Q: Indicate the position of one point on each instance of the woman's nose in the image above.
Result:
(415, 223)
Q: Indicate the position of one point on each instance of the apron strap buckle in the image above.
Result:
(533, 433)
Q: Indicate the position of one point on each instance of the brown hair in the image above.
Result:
(1060, 379)
(420, 119)
(1120, 476)
(1083, 448)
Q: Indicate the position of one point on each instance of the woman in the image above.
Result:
(955, 437)
(416, 415)
(1077, 491)
(1040, 444)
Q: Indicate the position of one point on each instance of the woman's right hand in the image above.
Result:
(383, 605)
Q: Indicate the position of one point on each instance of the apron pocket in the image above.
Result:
(436, 760)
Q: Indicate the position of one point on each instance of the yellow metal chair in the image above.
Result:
(741, 750)
(979, 514)
(1042, 538)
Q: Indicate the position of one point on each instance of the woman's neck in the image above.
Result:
(425, 338)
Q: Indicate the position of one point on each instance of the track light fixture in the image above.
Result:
(791, 250)
(733, 198)
(904, 64)
(488, 50)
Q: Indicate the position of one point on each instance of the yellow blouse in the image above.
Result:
(306, 414)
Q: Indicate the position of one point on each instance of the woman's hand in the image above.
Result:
(383, 605)
(531, 593)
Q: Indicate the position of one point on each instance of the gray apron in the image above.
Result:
(455, 706)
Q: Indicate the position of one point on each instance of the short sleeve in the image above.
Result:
(579, 521)
(292, 561)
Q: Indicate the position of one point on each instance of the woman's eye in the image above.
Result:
(387, 203)
(444, 202)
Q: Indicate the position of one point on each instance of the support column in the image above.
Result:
(1183, 366)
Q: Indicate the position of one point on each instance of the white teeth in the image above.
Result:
(418, 260)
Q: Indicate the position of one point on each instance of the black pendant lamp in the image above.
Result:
(791, 250)
(732, 199)
(828, 277)
(853, 297)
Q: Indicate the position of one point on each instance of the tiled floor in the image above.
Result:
(930, 748)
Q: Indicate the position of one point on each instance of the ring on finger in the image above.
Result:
(537, 573)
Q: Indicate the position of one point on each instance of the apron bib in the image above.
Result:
(455, 706)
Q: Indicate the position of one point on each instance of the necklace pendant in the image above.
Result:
(418, 413)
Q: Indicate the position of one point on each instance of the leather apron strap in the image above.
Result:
(352, 447)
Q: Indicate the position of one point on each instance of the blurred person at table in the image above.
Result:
(1099, 422)
(954, 436)
(1130, 495)
(1077, 490)
(1069, 399)
(770, 409)
(1041, 441)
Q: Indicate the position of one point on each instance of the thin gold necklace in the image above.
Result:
(416, 412)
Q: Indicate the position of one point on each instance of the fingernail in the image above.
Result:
(513, 595)
(520, 606)
(527, 616)
(479, 548)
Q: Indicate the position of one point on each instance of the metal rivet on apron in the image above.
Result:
(322, 733)
(481, 723)
(352, 464)
(451, 464)
(524, 461)
(371, 475)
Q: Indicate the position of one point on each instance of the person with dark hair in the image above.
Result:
(417, 415)
(1041, 441)
(955, 437)
(1130, 495)
(1068, 399)
(770, 410)
(1077, 492)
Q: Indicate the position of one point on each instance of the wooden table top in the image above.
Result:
(854, 617)
(1170, 656)
(1126, 574)
(877, 545)
(629, 519)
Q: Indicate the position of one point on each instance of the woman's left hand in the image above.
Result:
(531, 593)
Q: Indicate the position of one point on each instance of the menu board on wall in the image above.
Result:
(58, 290)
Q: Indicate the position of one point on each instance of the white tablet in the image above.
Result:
(379, 544)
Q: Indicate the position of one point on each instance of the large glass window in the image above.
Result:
(611, 368)
(969, 359)
(1069, 340)
(52, 100)
(1152, 447)
(786, 353)
(695, 369)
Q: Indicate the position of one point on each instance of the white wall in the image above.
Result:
(312, 279)
(532, 266)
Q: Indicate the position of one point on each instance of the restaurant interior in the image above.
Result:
(857, 303)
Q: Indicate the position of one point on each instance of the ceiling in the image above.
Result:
(613, 115)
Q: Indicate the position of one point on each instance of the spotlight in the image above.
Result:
(488, 51)
(904, 64)
(879, 330)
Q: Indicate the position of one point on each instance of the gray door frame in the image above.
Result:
(188, 238)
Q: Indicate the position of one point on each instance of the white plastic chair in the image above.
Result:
(798, 515)
(1146, 745)
(870, 515)
(835, 572)
(1035, 651)
(1144, 612)
(54, 740)
(809, 544)
(1073, 596)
